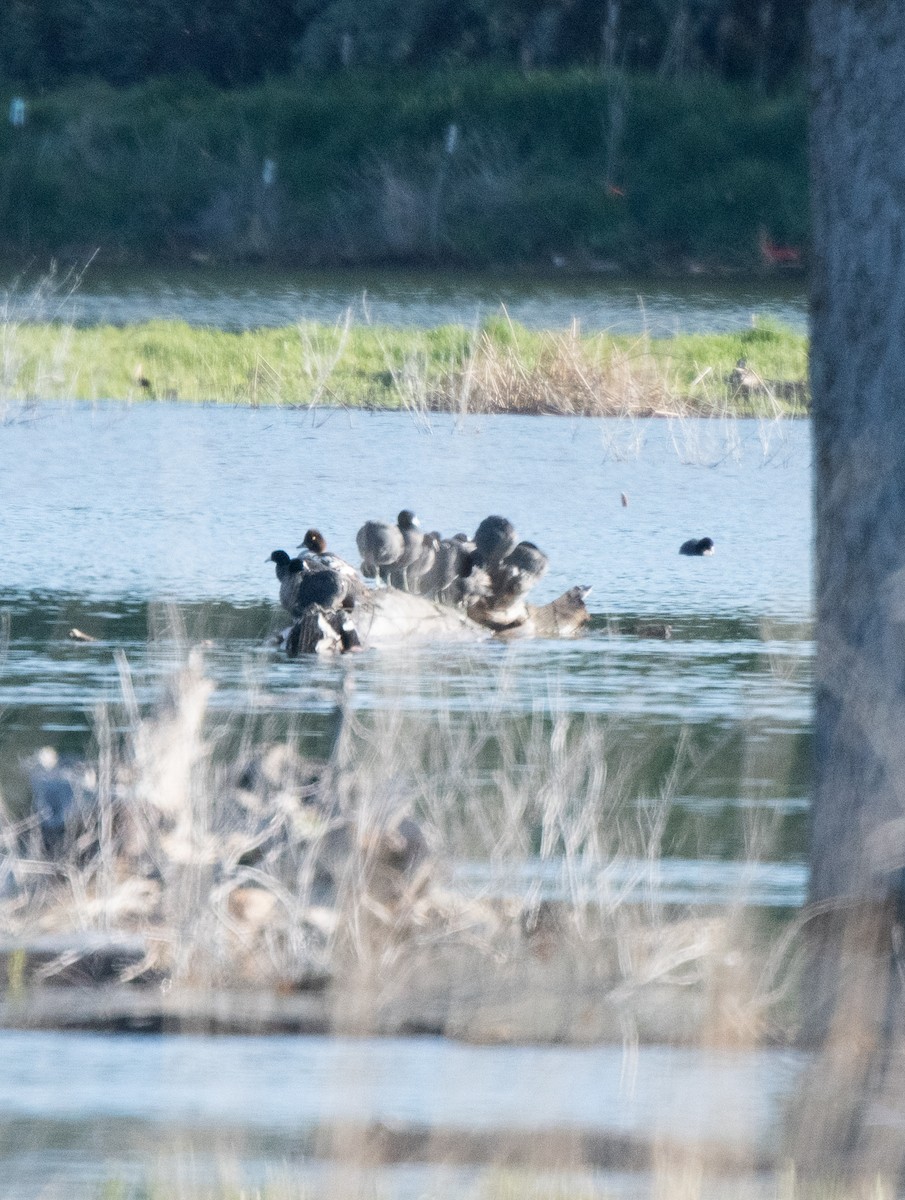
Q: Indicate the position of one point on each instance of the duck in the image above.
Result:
(301, 588)
(397, 554)
(655, 629)
(324, 589)
(416, 576)
(313, 545)
(452, 576)
(417, 556)
(288, 572)
(697, 547)
(316, 557)
(742, 378)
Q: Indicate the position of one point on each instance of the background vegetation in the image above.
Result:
(577, 168)
(236, 42)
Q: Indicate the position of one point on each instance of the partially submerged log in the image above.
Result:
(389, 617)
(560, 618)
(382, 617)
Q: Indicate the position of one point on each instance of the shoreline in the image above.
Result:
(669, 1018)
(381, 1144)
(499, 367)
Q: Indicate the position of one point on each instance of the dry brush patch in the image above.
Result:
(564, 376)
(331, 887)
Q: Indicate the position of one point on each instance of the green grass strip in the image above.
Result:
(499, 367)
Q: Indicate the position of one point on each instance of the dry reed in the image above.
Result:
(264, 869)
(565, 378)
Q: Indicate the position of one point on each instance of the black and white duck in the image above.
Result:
(315, 556)
(301, 588)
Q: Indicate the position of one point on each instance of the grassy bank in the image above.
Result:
(499, 367)
(473, 166)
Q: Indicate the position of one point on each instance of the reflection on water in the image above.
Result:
(673, 881)
(709, 709)
(202, 1113)
(244, 298)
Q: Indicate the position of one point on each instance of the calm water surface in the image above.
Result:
(248, 298)
(193, 1108)
(155, 521)
(186, 503)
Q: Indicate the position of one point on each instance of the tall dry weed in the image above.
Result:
(566, 377)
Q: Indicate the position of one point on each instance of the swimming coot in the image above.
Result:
(697, 547)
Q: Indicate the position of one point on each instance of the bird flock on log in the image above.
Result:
(486, 577)
(483, 575)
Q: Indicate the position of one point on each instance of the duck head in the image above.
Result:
(314, 541)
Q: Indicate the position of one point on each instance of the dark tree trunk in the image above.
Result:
(858, 386)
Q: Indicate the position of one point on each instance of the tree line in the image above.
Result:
(46, 43)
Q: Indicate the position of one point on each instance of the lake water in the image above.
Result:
(191, 1110)
(132, 522)
(238, 298)
(149, 526)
